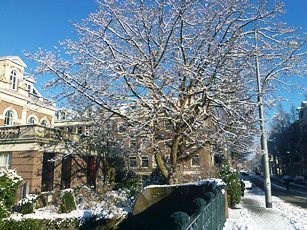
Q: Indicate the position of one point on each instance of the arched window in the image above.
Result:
(63, 115)
(32, 121)
(9, 116)
(13, 80)
(44, 123)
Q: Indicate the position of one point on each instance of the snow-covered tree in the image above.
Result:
(185, 65)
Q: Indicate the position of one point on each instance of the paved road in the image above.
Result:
(294, 196)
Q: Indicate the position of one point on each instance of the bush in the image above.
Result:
(3, 210)
(233, 186)
(68, 203)
(26, 208)
(26, 205)
(37, 224)
(9, 182)
(20, 225)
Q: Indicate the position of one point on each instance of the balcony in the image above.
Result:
(39, 133)
(40, 100)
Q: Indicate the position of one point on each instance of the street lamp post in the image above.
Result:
(264, 144)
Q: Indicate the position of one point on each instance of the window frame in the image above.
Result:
(9, 118)
(133, 143)
(8, 157)
(69, 129)
(13, 80)
(121, 129)
(44, 121)
(192, 160)
(32, 119)
(79, 130)
(144, 156)
(135, 160)
(168, 125)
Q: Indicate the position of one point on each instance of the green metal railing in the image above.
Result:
(178, 207)
(209, 213)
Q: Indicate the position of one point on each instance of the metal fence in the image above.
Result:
(178, 207)
(209, 213)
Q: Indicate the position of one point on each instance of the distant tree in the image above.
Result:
(280, 120)
(189, 64)
(293, 113)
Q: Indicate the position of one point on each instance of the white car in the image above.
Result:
(248, 184)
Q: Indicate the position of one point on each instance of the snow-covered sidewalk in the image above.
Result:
(251, 214)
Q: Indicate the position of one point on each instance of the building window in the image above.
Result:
(121, 128)
(32, 121)
(168, 125)
(63, 116)
(133, 143)
(13, 80)
(5, 160)
(44, 123)
(145, 162)
(196, 161)
(9, 116)
(86, 131)
(79, 130)
(69, 129)
(132, 162)
(60, 115)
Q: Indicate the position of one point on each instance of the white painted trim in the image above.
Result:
(15, 59)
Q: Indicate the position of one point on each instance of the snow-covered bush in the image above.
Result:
(232, 181)
(9, 182)
(26, 205)
(68, 203)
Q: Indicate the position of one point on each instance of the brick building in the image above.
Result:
(29, 142)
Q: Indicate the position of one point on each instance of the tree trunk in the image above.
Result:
(161, 166)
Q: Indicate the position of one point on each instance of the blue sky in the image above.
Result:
(30, 24)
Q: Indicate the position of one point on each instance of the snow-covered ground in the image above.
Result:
(251, 214)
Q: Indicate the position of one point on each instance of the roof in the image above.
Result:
(14, 59)
(29, 79)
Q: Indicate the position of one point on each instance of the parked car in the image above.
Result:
(248, 184)
(287, 178)
(244, 173)
(299, 179)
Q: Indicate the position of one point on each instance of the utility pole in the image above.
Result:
(264, 143)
